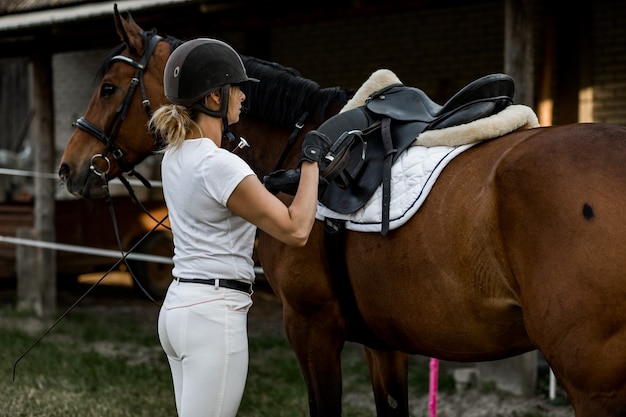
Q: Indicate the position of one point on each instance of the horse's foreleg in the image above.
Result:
(389, 372)
(317, 341)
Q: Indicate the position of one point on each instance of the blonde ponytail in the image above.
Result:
(172, 122)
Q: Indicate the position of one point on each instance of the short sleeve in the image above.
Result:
(223, 172)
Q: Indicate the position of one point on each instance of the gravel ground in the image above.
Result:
(473, 403)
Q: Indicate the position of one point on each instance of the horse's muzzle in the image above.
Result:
(80, 184)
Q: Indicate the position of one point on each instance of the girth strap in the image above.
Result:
(390, 151)
(356, 328)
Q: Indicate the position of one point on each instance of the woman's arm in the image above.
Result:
(291, 225)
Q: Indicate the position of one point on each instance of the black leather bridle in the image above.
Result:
(108, 137)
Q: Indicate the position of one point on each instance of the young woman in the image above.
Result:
(215, 202)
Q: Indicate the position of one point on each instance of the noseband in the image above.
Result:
(108, 138)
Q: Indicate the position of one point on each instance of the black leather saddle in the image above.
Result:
(367, 140)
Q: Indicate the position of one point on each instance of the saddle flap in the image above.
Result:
(362, 169)
(345, 198)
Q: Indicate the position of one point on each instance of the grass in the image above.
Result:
(93, 364)
(105, 360)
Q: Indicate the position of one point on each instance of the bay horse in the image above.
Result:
(520, 245)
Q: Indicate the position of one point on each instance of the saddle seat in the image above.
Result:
(408, 104)
(368, 139)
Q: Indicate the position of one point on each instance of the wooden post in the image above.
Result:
(28, 293)
(42, 300)
(519, 60)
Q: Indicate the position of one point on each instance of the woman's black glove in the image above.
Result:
(282, 181)
(287, 182)
(315, 148)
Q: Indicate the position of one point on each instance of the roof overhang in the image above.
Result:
(44, 18)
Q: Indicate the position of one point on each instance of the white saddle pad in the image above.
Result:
(412, 177)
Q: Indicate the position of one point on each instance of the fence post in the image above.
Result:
(44, 267)
(28, 294)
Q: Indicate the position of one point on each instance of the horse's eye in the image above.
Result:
(107, 90)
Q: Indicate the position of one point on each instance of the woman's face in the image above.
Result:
(234, 106)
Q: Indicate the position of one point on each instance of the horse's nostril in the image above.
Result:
(64, 171)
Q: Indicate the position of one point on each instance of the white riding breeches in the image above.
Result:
(203, 331)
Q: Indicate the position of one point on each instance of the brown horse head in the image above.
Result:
(112, 137)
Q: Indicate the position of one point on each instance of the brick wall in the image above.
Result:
(438, 50)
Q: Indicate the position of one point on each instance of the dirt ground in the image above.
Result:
(266, 318)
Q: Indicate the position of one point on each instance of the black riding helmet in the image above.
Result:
(200, 66)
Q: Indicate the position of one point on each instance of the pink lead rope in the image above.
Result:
(432, 396)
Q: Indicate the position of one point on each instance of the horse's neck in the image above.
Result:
(269, 140)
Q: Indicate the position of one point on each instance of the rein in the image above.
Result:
(292, 140)
(107, 196)
(116, 151)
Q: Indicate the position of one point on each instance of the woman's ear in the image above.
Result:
(213, 100)
(216, 95)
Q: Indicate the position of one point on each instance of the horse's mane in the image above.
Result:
(105, 65)
(283, 96)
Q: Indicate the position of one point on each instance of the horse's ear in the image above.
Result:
(129, 31)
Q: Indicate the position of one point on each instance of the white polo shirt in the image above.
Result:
(209, 240)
